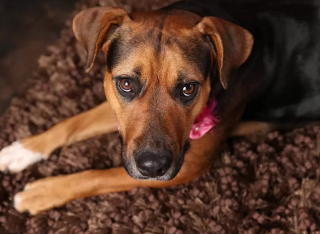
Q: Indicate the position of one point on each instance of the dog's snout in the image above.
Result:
(152, 164)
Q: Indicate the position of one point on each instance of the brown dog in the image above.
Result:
(162, 68)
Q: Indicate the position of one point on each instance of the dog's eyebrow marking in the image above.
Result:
(137, 71)
(132, 73)
(183, 78)
(119, 48)
(197, 53)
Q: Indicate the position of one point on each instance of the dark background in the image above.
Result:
(26, 28)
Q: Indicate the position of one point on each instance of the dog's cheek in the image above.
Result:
(203, 97)
(110, 92)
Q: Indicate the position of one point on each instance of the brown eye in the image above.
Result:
(126, 85)
(188, 89)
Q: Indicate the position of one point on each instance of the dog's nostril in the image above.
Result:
(153, 165)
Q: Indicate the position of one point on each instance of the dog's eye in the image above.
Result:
(188, 90)
(126, 85)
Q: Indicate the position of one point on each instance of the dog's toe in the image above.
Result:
(22, 202)
(17, 202)
(28, 202)
(43, 194)
(16, 157)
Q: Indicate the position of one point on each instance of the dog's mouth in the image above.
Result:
(136, 171)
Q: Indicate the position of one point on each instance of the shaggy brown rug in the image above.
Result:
(268, 185)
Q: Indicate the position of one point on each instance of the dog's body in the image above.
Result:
(152, 75)
(282, 74)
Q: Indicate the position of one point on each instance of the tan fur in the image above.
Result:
(47, 193)
(158, 86)
(97, 121)
(249, 128)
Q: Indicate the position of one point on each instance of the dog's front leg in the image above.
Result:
(25, 152)
(57, 191)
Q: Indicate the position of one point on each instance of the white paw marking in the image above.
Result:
(16, 157)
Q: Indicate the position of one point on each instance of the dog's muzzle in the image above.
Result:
(153, 164)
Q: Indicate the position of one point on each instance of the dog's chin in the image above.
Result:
(132, 170)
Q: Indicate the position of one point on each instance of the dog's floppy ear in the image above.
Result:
(232, 43)
(91, 26)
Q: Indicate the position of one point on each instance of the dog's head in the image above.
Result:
(158, 77)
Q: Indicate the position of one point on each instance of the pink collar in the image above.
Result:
(205, 121)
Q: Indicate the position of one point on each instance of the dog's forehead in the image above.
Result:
(155, 38)
(166, 19)
(162, 27)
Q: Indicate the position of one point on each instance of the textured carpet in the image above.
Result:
(258, 185)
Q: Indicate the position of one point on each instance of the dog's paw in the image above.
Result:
(16, 157)
(42, 195)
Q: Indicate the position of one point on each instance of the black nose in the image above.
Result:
(153, 164)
